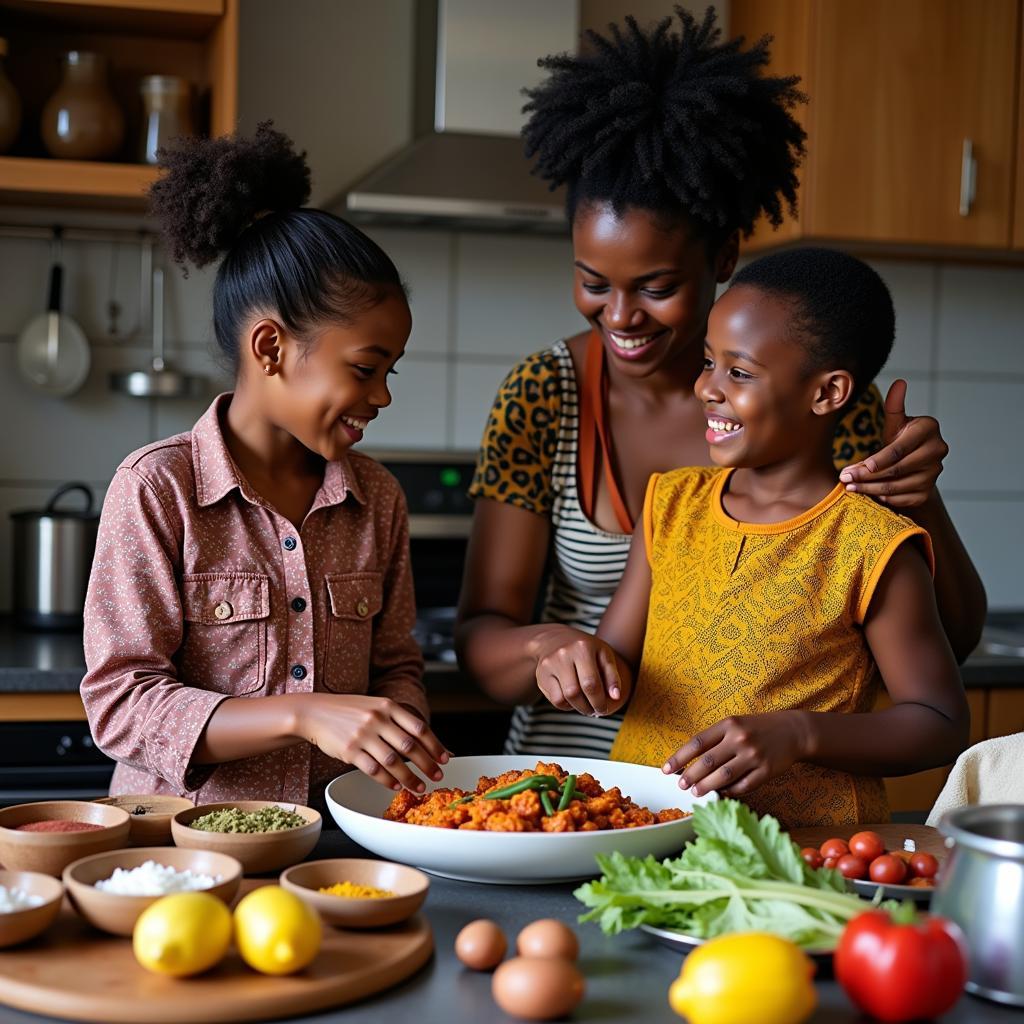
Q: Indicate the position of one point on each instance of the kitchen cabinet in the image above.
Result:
(910, 103)
(194, 39)
(1005, 712)
(1018, 205)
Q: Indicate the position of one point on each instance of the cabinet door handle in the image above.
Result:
(968, 178)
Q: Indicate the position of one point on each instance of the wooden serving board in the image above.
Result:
(75, 972)
(928, 839)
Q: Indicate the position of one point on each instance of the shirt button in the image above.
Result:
(299, 671)
(290, 543)
(298, 604)
(223, 610)
(362, 607)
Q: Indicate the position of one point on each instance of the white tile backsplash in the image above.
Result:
(912, 286)
(418, 414)
(981, 319)
(476, 384)
(992, 532)
(513, 295)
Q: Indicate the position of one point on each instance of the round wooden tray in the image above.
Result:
(78, 973)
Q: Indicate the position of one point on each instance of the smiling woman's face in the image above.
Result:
(647, 290)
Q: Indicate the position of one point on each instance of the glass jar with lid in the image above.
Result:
(166, 113)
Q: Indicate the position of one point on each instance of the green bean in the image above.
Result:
(546, 801)
(530, 782)
(568, 793)
(462, 800)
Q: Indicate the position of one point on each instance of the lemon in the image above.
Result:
(744, 978)
(275, 931)
(182, 934)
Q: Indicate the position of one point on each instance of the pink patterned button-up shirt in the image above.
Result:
(201, 591)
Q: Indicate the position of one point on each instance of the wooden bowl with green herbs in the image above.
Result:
(265, 835)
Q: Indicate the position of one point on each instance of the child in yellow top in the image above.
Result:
(758, 599)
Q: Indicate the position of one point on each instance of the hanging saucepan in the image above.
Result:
(53, 353)
(52, 556)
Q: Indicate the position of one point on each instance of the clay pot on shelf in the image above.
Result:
(10, 106)
(81, 120)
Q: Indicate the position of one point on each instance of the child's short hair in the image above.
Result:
(844, 315)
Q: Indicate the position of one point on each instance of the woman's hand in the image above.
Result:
(375, 735)
(903, 473)
(576, 671)
(740, 753)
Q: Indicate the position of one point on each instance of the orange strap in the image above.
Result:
(595, 441)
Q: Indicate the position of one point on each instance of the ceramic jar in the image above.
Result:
(81, 120)
(10, 106)
(166, 113)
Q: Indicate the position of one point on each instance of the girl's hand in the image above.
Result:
(903, 473)
(740, 753)
(577, 672)
(375, 735)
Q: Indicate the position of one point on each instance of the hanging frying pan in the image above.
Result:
(53, 352)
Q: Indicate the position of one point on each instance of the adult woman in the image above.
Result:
(671, 145)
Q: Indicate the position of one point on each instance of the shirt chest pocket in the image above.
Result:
(225, 644)
(353, 601)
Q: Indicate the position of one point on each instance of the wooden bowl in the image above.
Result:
(151, 827)
(257, 851)
(52, 852)
(22, 925)
(116, 913)
(409, 886)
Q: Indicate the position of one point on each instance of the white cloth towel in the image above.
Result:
(990, 772)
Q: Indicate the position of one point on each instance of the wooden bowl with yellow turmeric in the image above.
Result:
(354, 893)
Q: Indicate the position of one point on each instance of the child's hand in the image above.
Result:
(577, 672)
(740, 753)
(903, 473)
(375, 735)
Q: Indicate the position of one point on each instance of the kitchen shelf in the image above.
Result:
(194, 39)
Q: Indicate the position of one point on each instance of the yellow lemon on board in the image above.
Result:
(275, 931)
(746, 978)
(182, 934)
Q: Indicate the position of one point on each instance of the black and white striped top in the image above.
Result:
(587, 565)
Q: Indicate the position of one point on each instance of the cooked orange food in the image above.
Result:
(546, 799)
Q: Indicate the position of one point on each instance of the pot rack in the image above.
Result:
(158, 379)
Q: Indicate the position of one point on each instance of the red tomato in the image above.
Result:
(901, 972)
(924, 865)
(811, 855)
(850, 866)
(888, 870)
(830, 862)
(834, 848)
(868, 845)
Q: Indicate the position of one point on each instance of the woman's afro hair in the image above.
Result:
(673, 122)
(212, 189)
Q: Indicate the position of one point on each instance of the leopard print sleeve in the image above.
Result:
(859, 433)
(521, 437)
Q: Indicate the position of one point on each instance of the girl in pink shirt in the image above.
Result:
(248, 626)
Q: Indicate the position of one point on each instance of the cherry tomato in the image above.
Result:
(922, 883)
(834, 848)
(850, 866)
(888, 870)
(924, 865)
(812, 856)
(830, 862)
(868, 845)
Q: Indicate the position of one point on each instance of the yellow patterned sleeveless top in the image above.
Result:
(749, 618)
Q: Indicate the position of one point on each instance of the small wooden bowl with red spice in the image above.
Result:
(49, 835)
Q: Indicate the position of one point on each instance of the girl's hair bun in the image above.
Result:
(213, 189)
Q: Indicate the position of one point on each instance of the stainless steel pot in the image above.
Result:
(52, 556)
(981, 888)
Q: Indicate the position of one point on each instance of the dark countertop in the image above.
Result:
(627, 977)
(36, 662)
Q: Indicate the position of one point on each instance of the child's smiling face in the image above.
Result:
(763, 400)
(336, 383)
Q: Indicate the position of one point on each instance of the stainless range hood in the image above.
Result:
(465, 168)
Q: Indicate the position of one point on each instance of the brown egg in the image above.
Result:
(481, 945)
(532, 988)
(548, 937)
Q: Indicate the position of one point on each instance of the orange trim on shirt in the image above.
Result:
(871, 585)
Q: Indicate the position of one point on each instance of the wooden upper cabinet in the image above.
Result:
(194, 39)
(909, 101)
(1018, 195)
